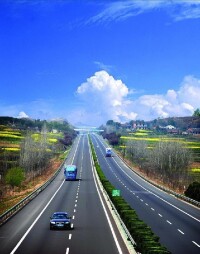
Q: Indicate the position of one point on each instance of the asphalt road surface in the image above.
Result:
(174, 221)
(94, 231)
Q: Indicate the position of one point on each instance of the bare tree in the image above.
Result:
(170, 161)
(34, 155)
(137, 151)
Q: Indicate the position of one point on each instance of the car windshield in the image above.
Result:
(59, 216)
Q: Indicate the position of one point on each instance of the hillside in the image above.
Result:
(182, 123)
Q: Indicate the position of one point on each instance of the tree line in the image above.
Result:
(35, 156)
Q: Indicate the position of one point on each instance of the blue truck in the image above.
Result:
(70, 172)
(108, 152)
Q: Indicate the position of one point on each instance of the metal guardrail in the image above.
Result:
(129, 237)
(180, 196)
(12, 211)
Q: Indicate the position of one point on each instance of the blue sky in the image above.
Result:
(91, 61)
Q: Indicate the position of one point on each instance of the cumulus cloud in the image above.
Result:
(22, 114)
(103, 97)
(37, 109)
(182, 102)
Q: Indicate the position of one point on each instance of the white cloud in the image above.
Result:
(22, 114)
(174, 103)
(120, 10)
(38, 109)
(103, 66)
(103, 98)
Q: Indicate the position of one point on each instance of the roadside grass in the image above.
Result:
(13, 196)
(10, 141)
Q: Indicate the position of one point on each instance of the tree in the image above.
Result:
(196, 112)
(14, 176)
(34, 155)
(171, 161)
(112, 138)
(137, 151)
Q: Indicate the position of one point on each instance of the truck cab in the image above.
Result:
(70, 172)
(108, 152)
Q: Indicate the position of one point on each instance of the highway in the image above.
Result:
(174, 221)
(93, 228)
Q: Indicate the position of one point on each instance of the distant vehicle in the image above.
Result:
(70, 172)
(60, 220)
(108, 152)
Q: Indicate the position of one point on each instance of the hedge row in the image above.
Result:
(146, 241)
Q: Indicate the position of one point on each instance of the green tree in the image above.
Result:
(196, 112)
(15, 176)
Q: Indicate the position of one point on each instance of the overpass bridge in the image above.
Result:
(86, 129)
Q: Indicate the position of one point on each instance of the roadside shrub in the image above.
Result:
(15, 176)
(121, 207)
(128, 216)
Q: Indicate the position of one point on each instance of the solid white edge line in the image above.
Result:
(151, 191)
(37, 218)
(29, 229)
(108, 219)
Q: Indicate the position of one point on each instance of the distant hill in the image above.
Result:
(183, 123)
(32, 124)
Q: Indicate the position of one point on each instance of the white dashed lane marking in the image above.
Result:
(160, 215)
(196, 244)
(181, 232)
(169, 222)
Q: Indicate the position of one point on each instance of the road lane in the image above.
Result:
(91, 233)
(175, 222)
